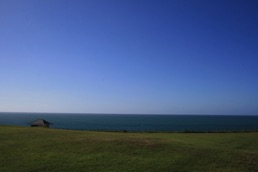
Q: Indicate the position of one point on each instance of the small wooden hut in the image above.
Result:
(40, 123)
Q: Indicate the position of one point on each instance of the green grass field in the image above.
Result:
(42, 149)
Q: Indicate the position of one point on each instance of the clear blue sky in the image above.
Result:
(129, 56)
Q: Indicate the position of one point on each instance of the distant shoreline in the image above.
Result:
(124, 131)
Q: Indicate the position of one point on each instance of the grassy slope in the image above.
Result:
(39, 149)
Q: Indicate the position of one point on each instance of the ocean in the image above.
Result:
(136, 123)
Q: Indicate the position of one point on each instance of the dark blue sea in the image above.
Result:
(137, 123)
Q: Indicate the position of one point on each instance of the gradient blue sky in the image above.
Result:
(129, 56)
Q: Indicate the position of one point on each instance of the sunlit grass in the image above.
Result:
(41, 149)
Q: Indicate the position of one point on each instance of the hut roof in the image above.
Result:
(40, 122)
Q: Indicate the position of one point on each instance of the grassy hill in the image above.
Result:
(41, 149)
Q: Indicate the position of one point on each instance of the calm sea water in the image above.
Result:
(154, 123)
